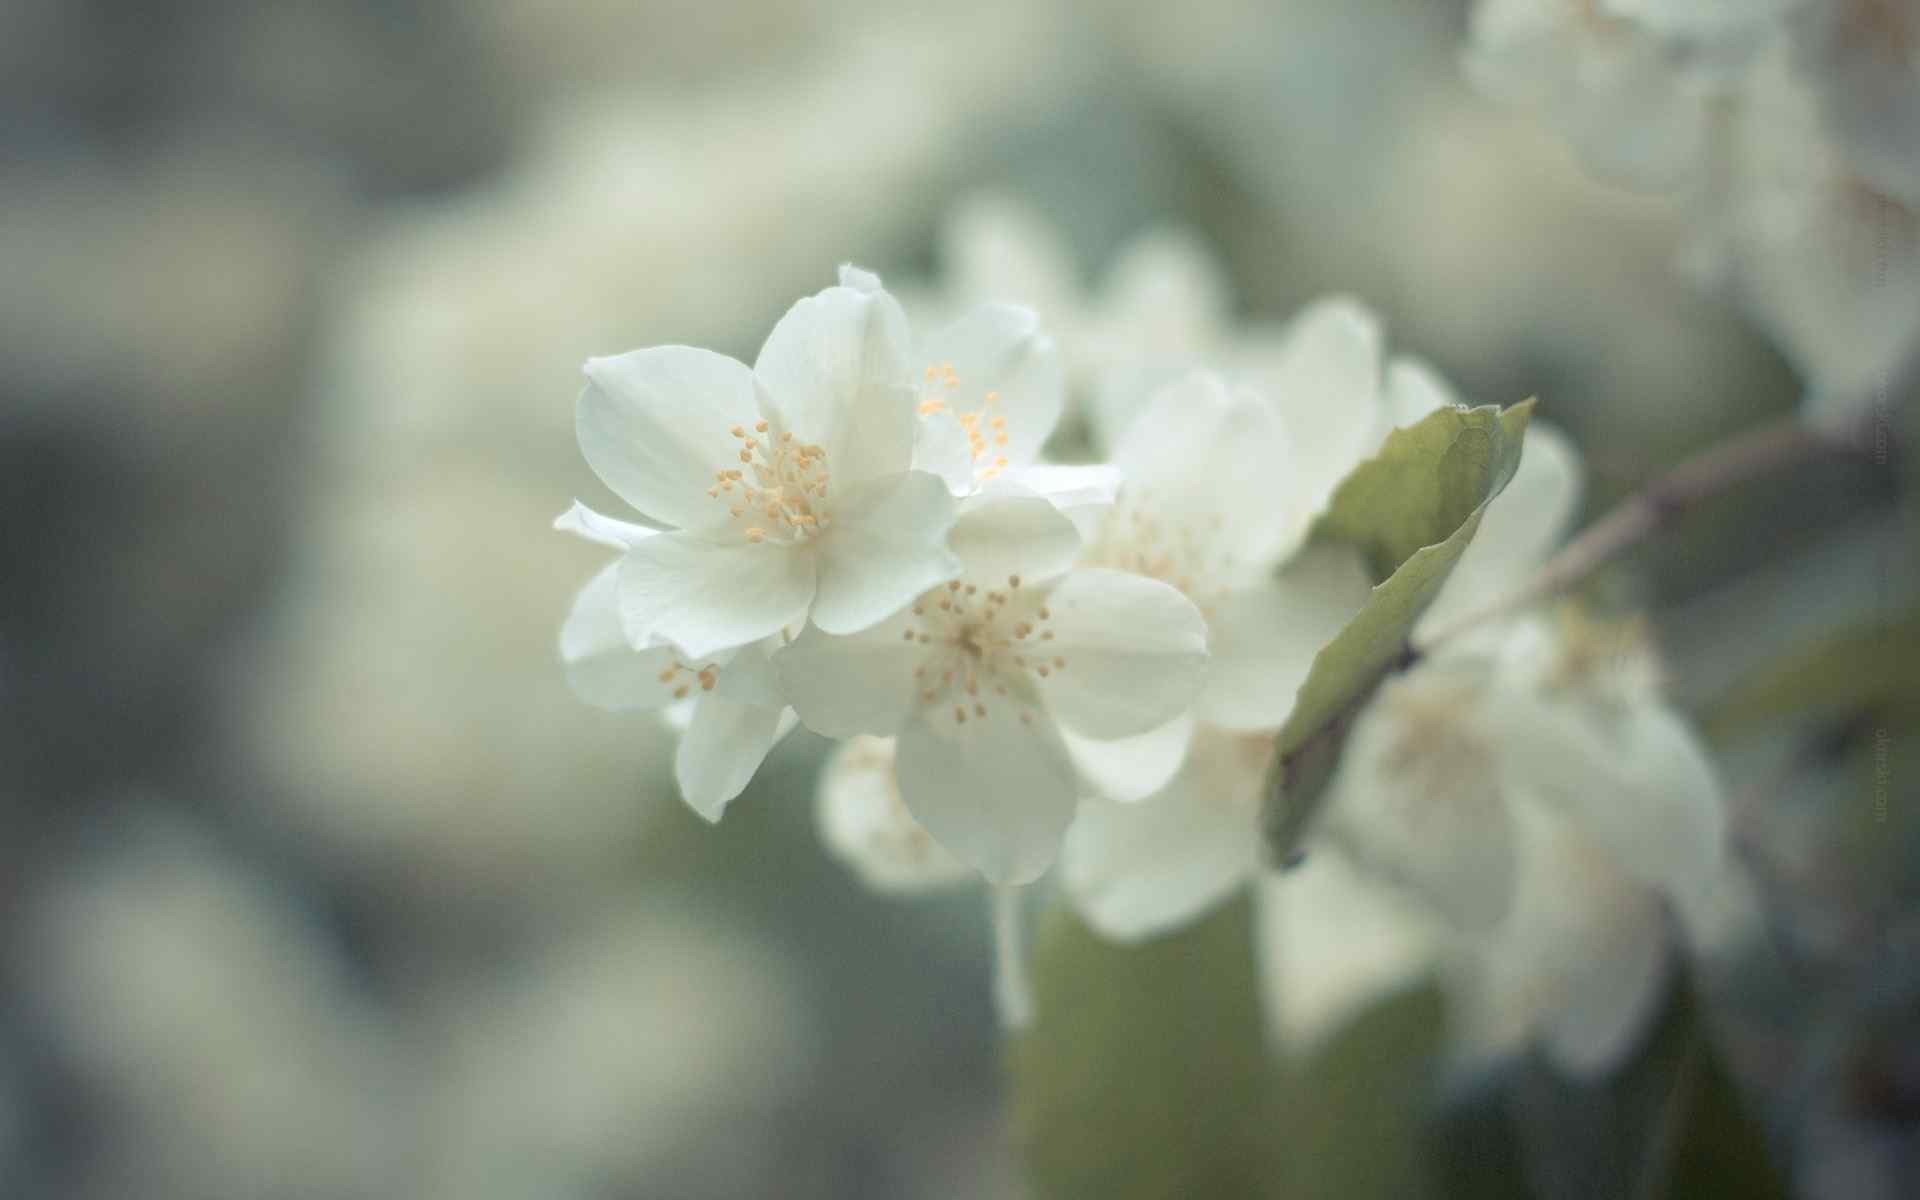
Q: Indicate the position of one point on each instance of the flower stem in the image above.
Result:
(1012, 990)
(1755, 452)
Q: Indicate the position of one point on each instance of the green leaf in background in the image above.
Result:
(1669, 1124)
(1863, 669)
(1356, 1109)
(1411, 509)
(1147, 1072)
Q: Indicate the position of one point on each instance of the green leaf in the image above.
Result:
(1863, 669)
(1147, 1072)
(1412, 509)
(1357, 1108)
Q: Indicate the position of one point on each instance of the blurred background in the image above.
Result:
(315, 881)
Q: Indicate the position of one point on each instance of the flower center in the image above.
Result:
(706, 677)
(982, 647)
(1185, 554)
(984, 424)
(1434, 744)
(779, 492)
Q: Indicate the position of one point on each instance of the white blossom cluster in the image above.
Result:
(1791, 131)
(1031, 661)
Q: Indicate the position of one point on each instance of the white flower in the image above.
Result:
(1610, 85)
(1530, 796)
(979, 677)
(737, 713)
(1824, 258)
(1215, 504)
(786, 487)
(1161, 307)
(865, 823)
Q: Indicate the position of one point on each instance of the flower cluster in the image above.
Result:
(1789, 129)
(1030, 661)
(854, 534)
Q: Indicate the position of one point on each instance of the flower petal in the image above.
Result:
(940, 446)
(602, 667)
(1324, 382)
(866, 825)
(705, 595)
(1213, 464)
(1416, 800)
(721, 750)
(1520, 529)
(1004, 367)
(835, 373)
(995, 790)
(1002, 535)
(1263, 638)
(655, 426)
(1127, 769)
(1135, 652)
(888, 544)
(861, 683)
(1635, 779)
(1415, 389)
(1331, 942)
(1073, 486)
(604, 530)
(1580, 965)
(1135, 870)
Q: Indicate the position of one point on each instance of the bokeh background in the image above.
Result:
(315, 881)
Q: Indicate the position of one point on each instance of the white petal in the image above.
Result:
(1168, 281)
(859, 279)
(995, 790)
(1132, 768)
(705, 595)
(1634, 779)
(602, 667)
(1263, 638)
(835, 374)
(1004, 367)
(655, 426)
(1330, 943)
(842, 686)
(867, 826)
(1135, 870)
(1073, 486)
(1135, 651)
(1415, 389)
(995, 248)
(998, 536)
(1324, 381)
(1519, 531)
(1580, 964)
(888, 544)
(1416, 800)
(722, 748)
(1210, 463)
(940, 446)
(604, 530)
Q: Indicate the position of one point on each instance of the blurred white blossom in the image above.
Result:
(864, 822)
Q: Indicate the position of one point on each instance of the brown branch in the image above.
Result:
(1756, 452)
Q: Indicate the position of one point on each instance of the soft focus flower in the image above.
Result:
(1212, 506)
(1630, 106)
(1161, 307)
(737, 713)
(865, 823)
(785, 488)
(1824, 258)
(1523, 805)
(979, 677)
(1217, 499)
